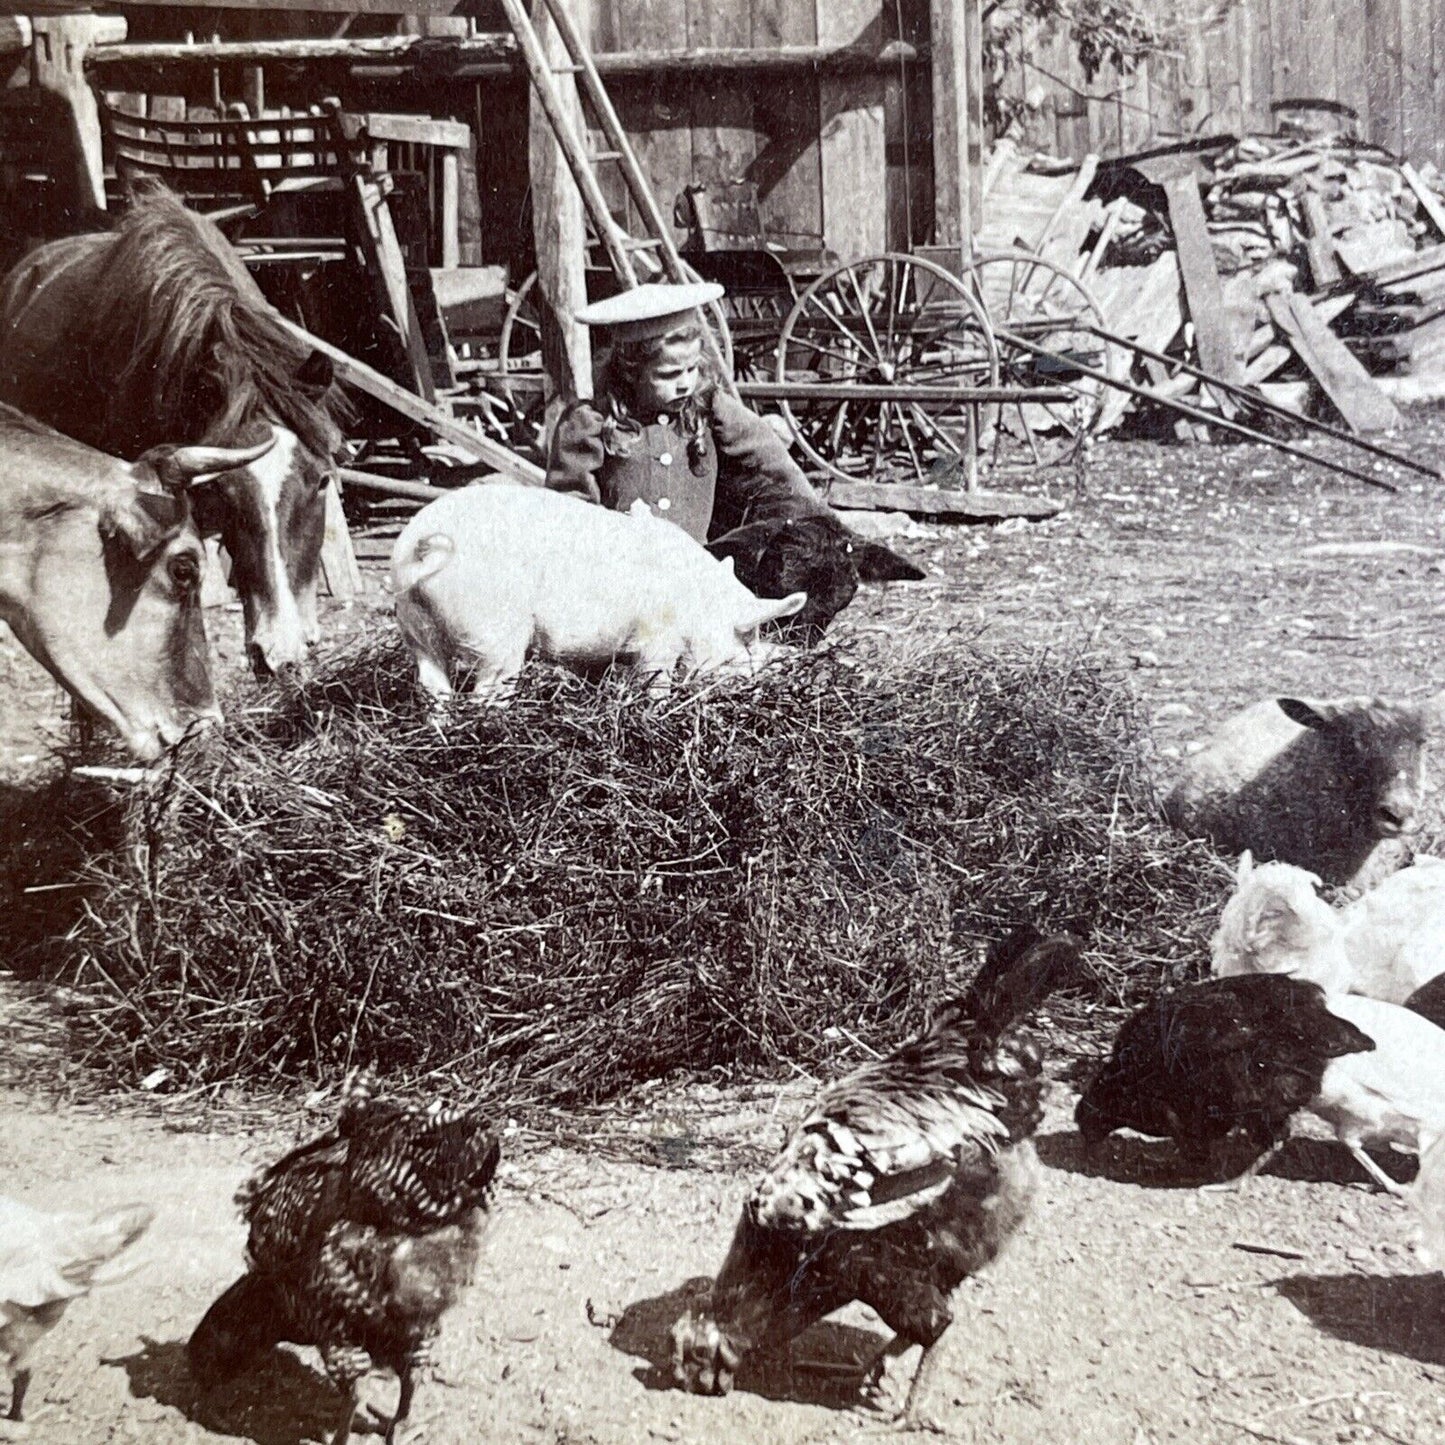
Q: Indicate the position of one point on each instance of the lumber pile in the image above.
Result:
(1307, 264)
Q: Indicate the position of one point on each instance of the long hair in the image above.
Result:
(185, 343)
(617, 380)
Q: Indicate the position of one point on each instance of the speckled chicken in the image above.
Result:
(1197, 1062)
(359, 1242)
(47, 1260)
(905, 1177)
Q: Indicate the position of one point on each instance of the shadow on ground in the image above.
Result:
(1157, 1163)
(280, 1402)
(1401, 1313)
(826, 1368)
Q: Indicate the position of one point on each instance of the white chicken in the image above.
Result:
(1394, 1094)
(47, 1260)
(1384, 945)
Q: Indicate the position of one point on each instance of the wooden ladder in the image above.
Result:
(621, 248)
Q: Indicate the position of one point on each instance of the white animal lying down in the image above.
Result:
(1393, 1095)
(1383, 945)
(494, 571)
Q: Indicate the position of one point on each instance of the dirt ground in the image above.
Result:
(1132, 1308)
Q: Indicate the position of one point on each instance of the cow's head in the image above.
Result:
(813, 554)
(109, 595)
(271, 516)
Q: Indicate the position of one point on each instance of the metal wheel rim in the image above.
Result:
(917, 429)
(1036, 303)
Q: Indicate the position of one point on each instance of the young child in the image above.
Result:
(661, 427)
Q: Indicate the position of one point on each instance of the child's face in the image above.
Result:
(672, 378)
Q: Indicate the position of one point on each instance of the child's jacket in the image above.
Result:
(744, 475)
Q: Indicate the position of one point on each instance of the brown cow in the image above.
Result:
(100, 574)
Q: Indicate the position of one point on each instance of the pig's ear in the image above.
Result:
(771, 609)
(729, 566)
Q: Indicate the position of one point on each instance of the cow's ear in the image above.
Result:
(143, 522)
(877, 563)
(315, 375)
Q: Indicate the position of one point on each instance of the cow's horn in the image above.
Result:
(193, 466)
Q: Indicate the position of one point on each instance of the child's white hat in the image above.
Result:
(650, 310)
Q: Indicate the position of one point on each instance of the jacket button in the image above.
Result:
(666, 459)
(664, 503)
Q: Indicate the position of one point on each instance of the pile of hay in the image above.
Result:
(553, 901)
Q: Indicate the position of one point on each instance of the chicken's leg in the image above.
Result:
(1237, 1184)
(348, 1414)
(18, 1386)
(403, 1403)
(913, 1417)
(1376, 1173)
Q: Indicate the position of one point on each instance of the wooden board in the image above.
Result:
(1324, 265)
(940, 502)
(724, 141)
(785, 164)
(1429, 202)
(338, 561)
(1348, 385)
(373, 383)
(1212, 335)
(1382, 71)
(852, 153)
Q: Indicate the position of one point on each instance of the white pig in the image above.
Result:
(493, 571)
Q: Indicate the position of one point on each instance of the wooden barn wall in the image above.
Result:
(1383, 58)
(844, 157)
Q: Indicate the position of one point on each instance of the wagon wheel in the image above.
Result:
(519, 348)
(887, 319)
(1037, 300)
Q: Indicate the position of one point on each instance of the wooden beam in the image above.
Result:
(416, 129)
(1212, 338)
(957, 155)
(559, 224)
(381, 48)
(1352, 389)
(57, 65)
(408, 404)
(939, 501)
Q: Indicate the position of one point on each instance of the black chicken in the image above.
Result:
(359, 1241)
(1198, 1062)
(906, 1177)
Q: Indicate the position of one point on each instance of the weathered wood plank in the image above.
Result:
(1348, 385)
(724, 139)
(1383, 71)
(952, 216)
(1429, 202)
(940, 502)
(1212, 335)
(559, 227)
(851, 139)
(406, 403)
(1418, 121)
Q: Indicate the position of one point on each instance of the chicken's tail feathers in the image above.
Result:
(240, 1325)
(1020, 972)
(103, 1236)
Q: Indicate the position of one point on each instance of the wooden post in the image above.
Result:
(560, 228)
(57, 65)
(957, 120)
(451, 210)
